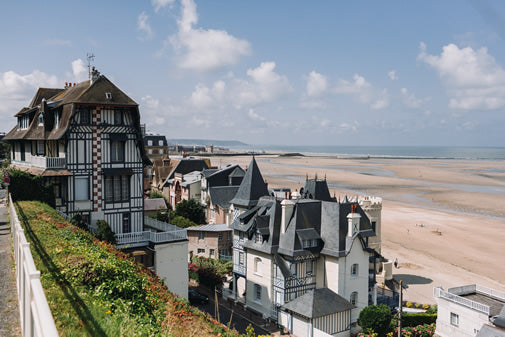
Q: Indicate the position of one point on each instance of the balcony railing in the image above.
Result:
(439, 292)
(43, 162)
(154, 237)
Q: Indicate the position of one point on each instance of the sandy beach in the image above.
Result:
(443, 219)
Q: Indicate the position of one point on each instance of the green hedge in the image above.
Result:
(415, 319)
(24, 186)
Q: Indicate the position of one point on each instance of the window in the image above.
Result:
(374, 225)
(118, 120)
(258, 238)
(126, 223)
(108, 95)
(354, 298)
(292, 268)
(454, 319)
(201, 251)
(41, 118)
(201, 235)
(257, 264)
(84, 117)
(309, 243)
(150, 151)
(40, 147)
(117, 150)
(220, 236)
(257, 293)
(81, 188)
(149, 143)
(161, 151)
(160, 143)
(117, 188)
(354, 270)
(310, 267)
(56, 119)
(212, 251)
(241, 258)
(241, 236)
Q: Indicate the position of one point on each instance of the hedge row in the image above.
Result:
(415, 319)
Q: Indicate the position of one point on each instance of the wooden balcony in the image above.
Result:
(43, 162)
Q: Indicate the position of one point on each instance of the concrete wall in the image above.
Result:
(470, 321)
(170, 257)
(262, 277)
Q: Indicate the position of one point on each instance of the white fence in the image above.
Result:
(439, 292)
(36, 318)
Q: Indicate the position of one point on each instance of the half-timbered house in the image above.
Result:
(86, 140)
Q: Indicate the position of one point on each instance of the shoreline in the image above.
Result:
(464, 200)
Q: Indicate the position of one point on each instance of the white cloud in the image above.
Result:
(411, 101)
(317, 84)
(144, 27)
(79, 70)
(264, 86)
(472, 77)
(205, 98)
(158, 4)
(363, 91)
(254, 116)
(16, 92)
(392, 75)
(205, 49)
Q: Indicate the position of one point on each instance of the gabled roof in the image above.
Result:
(220, 177)
(318, 303)
(187, 165)
(221, 195)
(44, 93)
(252, 187)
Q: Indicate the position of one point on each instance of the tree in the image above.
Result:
(24, 186)
(182, 222)
(376, 318)
(104, 232)
(192, 210)
(77, 221)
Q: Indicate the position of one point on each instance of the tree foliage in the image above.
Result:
(376, 318)
(192, 210)
(77, 220)
(182, 222)
(24, 186)
(104, 232)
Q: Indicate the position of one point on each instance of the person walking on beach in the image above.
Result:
(396, 263)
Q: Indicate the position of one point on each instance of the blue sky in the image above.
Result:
(274, 72)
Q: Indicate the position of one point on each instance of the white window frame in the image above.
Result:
(160, 143)
(355, 270)
(257, 293)
(149, 143)
(354, 298)
(241, 258)
(454, 319)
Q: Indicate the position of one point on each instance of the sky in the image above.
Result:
(283, 72)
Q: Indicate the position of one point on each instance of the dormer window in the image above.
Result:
(41, 119)
(108, 95)
(56, 119)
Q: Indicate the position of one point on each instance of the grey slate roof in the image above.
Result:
(500, 319)
(221, 195)
(222, 176)
(187, 165)
(318, 303)
(317, 190)
(490, 331)
(252, 187)
(154, 204)
(211, 228)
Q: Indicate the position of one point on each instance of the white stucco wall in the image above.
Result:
(262, 277)
(301, 327)
(170, 257)
(470, 321)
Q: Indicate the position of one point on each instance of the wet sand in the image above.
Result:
(443, 219)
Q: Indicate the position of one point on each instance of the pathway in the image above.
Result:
(9, 311)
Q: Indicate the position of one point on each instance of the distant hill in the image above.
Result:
(206, 142)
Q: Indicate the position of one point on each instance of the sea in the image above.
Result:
(390, 152)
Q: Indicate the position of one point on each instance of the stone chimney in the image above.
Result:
(95, 74)
(353, 220)
(287, 211)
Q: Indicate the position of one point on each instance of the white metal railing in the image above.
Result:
(35, 314)
(155, 237)
(48, 162)
(439, 292)
(160, 225)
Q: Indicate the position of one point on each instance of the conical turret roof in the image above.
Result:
(252, 187)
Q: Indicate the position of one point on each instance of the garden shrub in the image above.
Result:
(77, 220)
(418, 318)
(24, 186)
(426, 330)
(104, 232)
(191, 209)
(376, 318)
(182, 222)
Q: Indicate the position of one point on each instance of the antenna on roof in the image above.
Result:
(90, 57)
